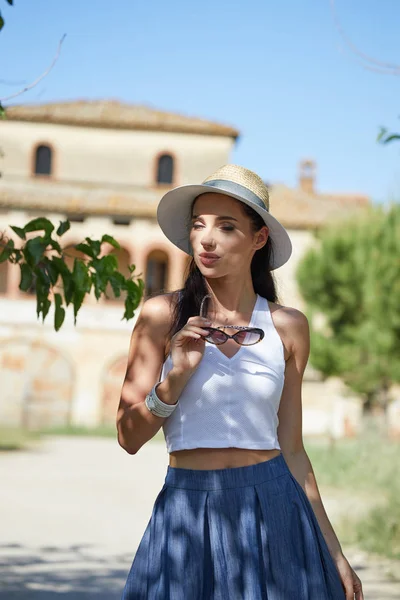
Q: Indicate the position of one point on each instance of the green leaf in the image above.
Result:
(391, 138)
(80, 274)
(66, 277)
(381, 134)
(7, 251)
(38, 224)
(60, 264)
(110, 240)
(42, 299)
(135, 292)
(99, 283)
(26, 277)
(68, 284)
(42, 275)
(63, 227)
(109, 263)
(52, 270)
(53, 244)
(2, 111)
(95, 245)
(19, 231)
(117, 280)
(33, 250)
(82, 283)
(85, 249)
(129, 308)
(15, 257)
(1, 27)
(59, 314)
(10, 2)
(46, 303)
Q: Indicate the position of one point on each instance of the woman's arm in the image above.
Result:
(290, 422)
(135, 423)
(296, 337)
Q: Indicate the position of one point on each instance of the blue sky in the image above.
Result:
(276, 70)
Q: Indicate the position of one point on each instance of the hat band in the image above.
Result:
(239, 190)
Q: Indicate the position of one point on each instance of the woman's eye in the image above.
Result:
(223, 227)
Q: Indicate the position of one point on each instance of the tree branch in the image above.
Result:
(372, 63)
(42, 76)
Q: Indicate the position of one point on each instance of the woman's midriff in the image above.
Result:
(219, 458)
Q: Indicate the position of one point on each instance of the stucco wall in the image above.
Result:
(108, 156)
(285, 276)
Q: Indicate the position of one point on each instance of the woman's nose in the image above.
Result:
(207, 239)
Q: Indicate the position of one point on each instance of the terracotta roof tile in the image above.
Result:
(298, 209)
(112, 114)
(293, 208)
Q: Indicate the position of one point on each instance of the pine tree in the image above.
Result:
(353, 279)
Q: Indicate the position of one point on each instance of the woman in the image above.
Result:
(239, 516)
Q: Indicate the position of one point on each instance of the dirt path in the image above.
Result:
(74, 510)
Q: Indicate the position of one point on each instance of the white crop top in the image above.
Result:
(231, 402)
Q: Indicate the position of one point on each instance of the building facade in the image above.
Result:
(105, 166)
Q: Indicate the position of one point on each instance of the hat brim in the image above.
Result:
(174, 214)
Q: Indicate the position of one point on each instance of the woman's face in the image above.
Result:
(220, 227)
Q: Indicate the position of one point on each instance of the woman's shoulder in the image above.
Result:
(287, 315)
(159, 308)
(293, 327)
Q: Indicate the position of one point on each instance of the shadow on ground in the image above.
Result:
(55, 573)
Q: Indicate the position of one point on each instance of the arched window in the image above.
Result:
(165, 169)
(43, 160)
(156, 272)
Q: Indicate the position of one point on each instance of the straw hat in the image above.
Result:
(174, 209)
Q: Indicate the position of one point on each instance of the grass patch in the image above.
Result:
(362, 464)
(14, 438)
(369, 464)
(108, 431)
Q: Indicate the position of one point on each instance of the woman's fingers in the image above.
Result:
(198, 321)
(197, 331)
(186, 333)
(201, 330)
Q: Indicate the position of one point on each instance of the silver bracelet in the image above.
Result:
(157, 406)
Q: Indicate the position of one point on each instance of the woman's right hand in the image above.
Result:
(188, 344)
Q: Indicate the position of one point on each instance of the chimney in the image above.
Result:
(307, 170)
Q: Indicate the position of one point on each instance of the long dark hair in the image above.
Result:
(194, 289)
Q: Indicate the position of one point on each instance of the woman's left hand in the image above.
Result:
(350, 580)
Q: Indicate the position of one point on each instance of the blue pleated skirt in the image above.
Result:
(243, 533)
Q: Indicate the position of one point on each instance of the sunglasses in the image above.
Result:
(246, 336)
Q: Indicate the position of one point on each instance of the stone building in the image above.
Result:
(105, 165)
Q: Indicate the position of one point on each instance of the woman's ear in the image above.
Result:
(261, 237)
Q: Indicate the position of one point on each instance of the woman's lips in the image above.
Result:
(208, 261)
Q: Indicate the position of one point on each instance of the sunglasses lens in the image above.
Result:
(216, 337)
(247, 338)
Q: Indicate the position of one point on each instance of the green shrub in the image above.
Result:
(379, 531)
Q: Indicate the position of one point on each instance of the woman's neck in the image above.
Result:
(232, 298)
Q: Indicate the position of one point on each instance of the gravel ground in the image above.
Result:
(74, 510)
